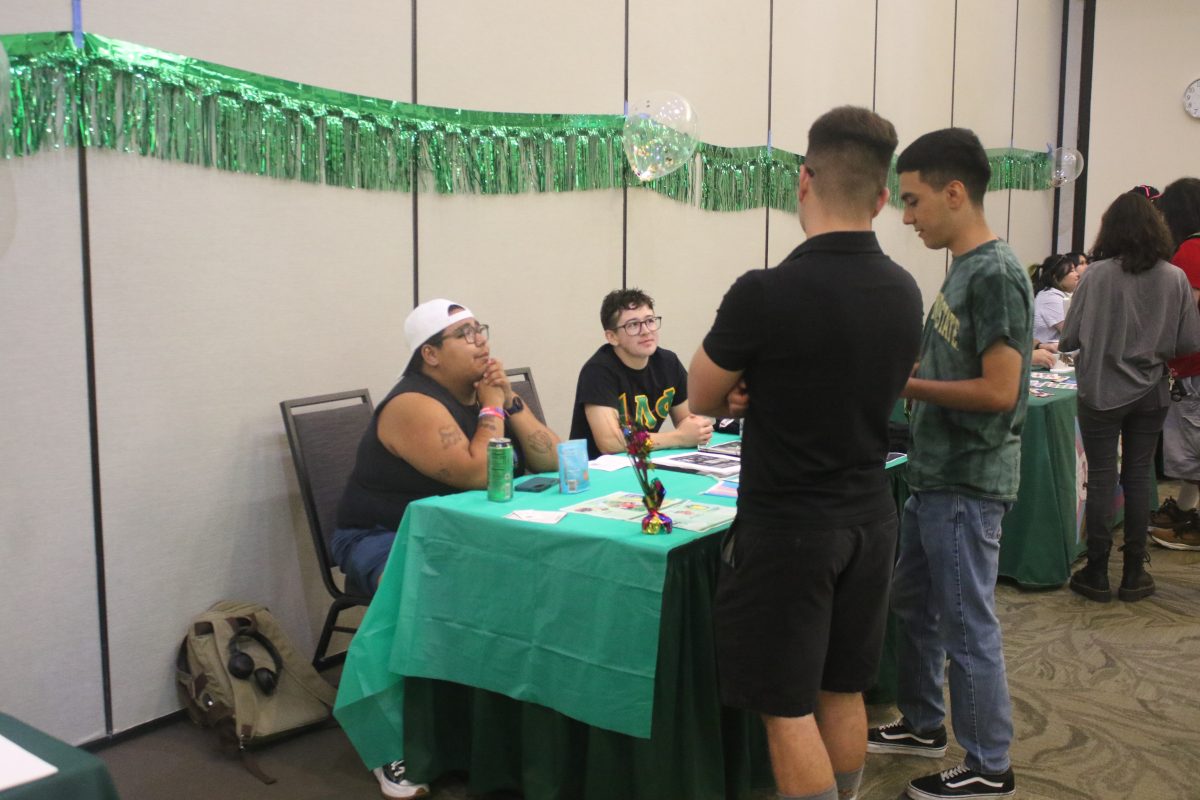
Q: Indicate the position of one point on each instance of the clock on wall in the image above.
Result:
(1191, 99)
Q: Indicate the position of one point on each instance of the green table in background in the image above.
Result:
(80, 776)
(1041, 532)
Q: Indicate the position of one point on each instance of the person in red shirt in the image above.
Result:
(1176, 524)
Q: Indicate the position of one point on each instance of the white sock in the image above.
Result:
(1189, 495)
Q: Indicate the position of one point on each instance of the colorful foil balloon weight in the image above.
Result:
(637, 445)
(660, 134)
(1066, 164)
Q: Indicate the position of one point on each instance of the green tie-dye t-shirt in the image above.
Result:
(986, 297)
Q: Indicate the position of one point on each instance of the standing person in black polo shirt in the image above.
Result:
(820, 348)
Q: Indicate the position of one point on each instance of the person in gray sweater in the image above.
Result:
(1131, 313)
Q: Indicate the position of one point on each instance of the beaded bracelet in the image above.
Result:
(492, 411)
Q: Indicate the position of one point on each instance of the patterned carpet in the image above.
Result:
(1106, 705)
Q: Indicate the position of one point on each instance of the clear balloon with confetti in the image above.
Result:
(659, 135)
(1066, 164)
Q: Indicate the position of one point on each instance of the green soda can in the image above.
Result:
(500, 470)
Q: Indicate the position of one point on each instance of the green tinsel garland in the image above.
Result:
(133, 99)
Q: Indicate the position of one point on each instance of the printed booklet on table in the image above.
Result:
(722, 466)
(618, 505)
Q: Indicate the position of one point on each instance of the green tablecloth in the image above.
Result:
(80, 776)
(564, 615)
(1041, 534)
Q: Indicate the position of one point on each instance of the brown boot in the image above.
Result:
(1136, 583)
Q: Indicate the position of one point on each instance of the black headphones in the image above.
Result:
(241, 665)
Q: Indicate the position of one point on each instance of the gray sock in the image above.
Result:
(848, 783)
(829, 794)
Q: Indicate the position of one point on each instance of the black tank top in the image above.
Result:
(382, 485)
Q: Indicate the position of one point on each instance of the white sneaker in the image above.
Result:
(393, 784)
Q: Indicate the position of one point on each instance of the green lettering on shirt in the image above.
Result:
(663, 406)
(644, 415)
(944, 321)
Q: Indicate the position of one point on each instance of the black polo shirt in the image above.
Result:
(826, 341)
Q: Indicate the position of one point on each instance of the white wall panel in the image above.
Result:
(824, 58)
(35, 16)
(712, 52)
(218, 296)
(1035, 122)
(362, 47)
(532, 56)
(535, 268)
(913, 89)
(1140, 132)
(50, 622)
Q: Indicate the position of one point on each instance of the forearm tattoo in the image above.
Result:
(540, 442)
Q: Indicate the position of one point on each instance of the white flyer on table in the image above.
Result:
(18, 765)
(609, 462)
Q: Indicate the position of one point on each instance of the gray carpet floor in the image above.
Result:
(1105, 702)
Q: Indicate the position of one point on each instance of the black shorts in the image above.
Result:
(798, 611)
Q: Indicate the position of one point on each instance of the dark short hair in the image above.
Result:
(619, 300)
(850, 149)
(1180, 207)
(1051, 272)
(416, 363)
(951, 154)
(1133, 231)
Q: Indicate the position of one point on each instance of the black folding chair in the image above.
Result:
(324, 432)
(521, 379)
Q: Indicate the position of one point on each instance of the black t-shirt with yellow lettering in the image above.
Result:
(645, 395)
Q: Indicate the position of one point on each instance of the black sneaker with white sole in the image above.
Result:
(962, 782)
(897, 737)
(393, 784)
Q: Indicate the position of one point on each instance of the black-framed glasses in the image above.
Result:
(474, 334)
(634, 326)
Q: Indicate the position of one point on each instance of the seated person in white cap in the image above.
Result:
(429, 437)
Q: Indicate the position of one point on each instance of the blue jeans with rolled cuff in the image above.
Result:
(943, 593)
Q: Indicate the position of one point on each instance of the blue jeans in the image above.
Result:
(943, 592)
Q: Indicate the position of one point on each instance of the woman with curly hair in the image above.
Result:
(1132, 314)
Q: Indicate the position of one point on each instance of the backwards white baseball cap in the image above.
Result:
(432, 316)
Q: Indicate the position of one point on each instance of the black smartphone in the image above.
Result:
(537, 484)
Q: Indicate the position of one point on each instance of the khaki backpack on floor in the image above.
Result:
(238, 674)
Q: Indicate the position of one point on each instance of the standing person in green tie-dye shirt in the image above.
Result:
(970, 393)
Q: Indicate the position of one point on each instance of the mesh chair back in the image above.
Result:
(324, 433)
(521, 379)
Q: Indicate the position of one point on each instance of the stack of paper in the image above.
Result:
(701, 463)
